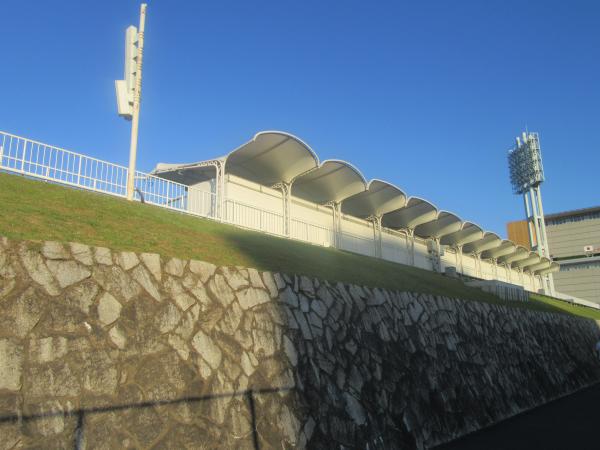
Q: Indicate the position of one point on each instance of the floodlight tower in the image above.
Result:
(526, 176)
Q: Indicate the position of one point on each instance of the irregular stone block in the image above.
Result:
(117, 336)
(37, 270)
(109, 309)
(11, 361)
(255, 279)
(220, 290)
(82, 253)
(142, 276)
(251, 297)
(103, 256)
(55, 250)
(203, 269)
(127, 260)
(152, 263)
(207, 349)
(234, 278)
(175, 267)
(47, 349)
(68, 272)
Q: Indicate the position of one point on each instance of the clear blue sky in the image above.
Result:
(427, 95)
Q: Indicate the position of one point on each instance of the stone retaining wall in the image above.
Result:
(123, 350)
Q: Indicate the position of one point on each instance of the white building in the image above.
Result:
(275, 183)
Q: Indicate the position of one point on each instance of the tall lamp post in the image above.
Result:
(129, 91)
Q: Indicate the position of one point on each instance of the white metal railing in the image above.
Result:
(310, 232)
(249, 216)
(39, 160)
(36, 159)
(357, 244)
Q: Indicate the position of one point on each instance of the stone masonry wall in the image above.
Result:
(102, 349)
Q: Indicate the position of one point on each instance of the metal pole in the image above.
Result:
(137, 96)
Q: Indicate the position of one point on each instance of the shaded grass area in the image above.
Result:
(570, 308)
(36, 210)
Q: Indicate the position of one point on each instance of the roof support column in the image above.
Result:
(336, 208)
(495, 265)
(478, 268)
(459, 255)
(220, 191)
(286, 197)
(411, 234)
(377, 231)
(437, 260)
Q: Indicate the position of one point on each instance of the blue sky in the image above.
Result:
(427, 95)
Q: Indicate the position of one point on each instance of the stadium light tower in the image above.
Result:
(129, 91)
(526, 176)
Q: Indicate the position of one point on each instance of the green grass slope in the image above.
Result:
(36, 210)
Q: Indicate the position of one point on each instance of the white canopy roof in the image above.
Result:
(519, 254)
(531, 260)
(488, 241)
(445, 223)
(505, 248)
(332, 181)
(416, 212)
(271, 157)
(469, 232)
(380, 197)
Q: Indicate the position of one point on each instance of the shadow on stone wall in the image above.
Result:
(120, 343)
(79, 416)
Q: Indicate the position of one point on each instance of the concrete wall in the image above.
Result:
(125, 350)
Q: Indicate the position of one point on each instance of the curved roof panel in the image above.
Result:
(544, 263)
(469, 232)
(554, 267)
(380, 197)
(531, 260)
(333, 181)
(416, 212)
(506, 247)
(445, 223)
(487, 242)
(188, 174)
(271, 157)
(519, 254)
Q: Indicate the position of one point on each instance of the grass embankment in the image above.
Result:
(35, 210)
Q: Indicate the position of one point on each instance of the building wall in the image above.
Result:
(122, 350)
(579, 276)
(568, 239)
(581, 283)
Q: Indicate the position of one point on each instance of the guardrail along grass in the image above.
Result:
(37, 210)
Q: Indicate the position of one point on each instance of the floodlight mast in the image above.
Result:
(129, 92)
(526, 176)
